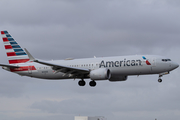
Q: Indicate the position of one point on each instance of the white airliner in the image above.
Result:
(103, 68)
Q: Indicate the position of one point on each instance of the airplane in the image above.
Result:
(101, 68)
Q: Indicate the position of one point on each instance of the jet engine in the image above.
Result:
(100, 74)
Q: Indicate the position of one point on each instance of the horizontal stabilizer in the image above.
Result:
(9, 66)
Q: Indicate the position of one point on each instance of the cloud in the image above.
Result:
(10, 87)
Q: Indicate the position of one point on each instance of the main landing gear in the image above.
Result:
(83, 83)
(92, 83)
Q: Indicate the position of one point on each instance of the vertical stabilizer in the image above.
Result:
(15, 53)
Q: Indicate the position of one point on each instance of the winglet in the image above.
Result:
(31, 58)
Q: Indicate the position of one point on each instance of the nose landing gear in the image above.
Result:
(160, 75)
(160, 80)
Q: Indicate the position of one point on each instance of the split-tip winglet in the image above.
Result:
(31, 58)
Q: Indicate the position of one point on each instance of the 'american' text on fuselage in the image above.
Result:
(121, 63)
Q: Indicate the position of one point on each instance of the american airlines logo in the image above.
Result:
(147, 62)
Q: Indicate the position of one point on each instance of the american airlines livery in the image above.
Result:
(103, 68)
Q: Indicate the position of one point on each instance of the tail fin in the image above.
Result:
(14, 52)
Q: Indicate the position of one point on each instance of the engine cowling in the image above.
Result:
(115, 78)
(100, 74)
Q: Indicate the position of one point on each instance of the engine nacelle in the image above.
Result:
(100, 74)
(118, 78)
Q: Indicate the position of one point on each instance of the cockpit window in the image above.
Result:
(165, 60)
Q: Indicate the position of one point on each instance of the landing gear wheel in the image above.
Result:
(159, 80)
(82, 83)
(92, 83)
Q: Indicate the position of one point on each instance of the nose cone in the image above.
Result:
(174, 65)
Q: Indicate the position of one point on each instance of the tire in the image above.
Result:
(159, 80)
(82, 83)
(92, 83)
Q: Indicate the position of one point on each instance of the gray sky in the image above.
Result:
(59, 29)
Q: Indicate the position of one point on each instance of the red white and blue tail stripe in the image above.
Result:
(14, 52)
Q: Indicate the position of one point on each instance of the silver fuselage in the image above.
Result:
(119, 66)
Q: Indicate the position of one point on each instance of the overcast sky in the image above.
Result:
(59, 29)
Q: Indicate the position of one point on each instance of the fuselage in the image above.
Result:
(121, 65)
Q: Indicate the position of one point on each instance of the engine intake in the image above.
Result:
(100, 74)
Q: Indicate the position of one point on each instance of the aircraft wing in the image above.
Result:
(9, 66)
(59, 68)
(64, 69)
